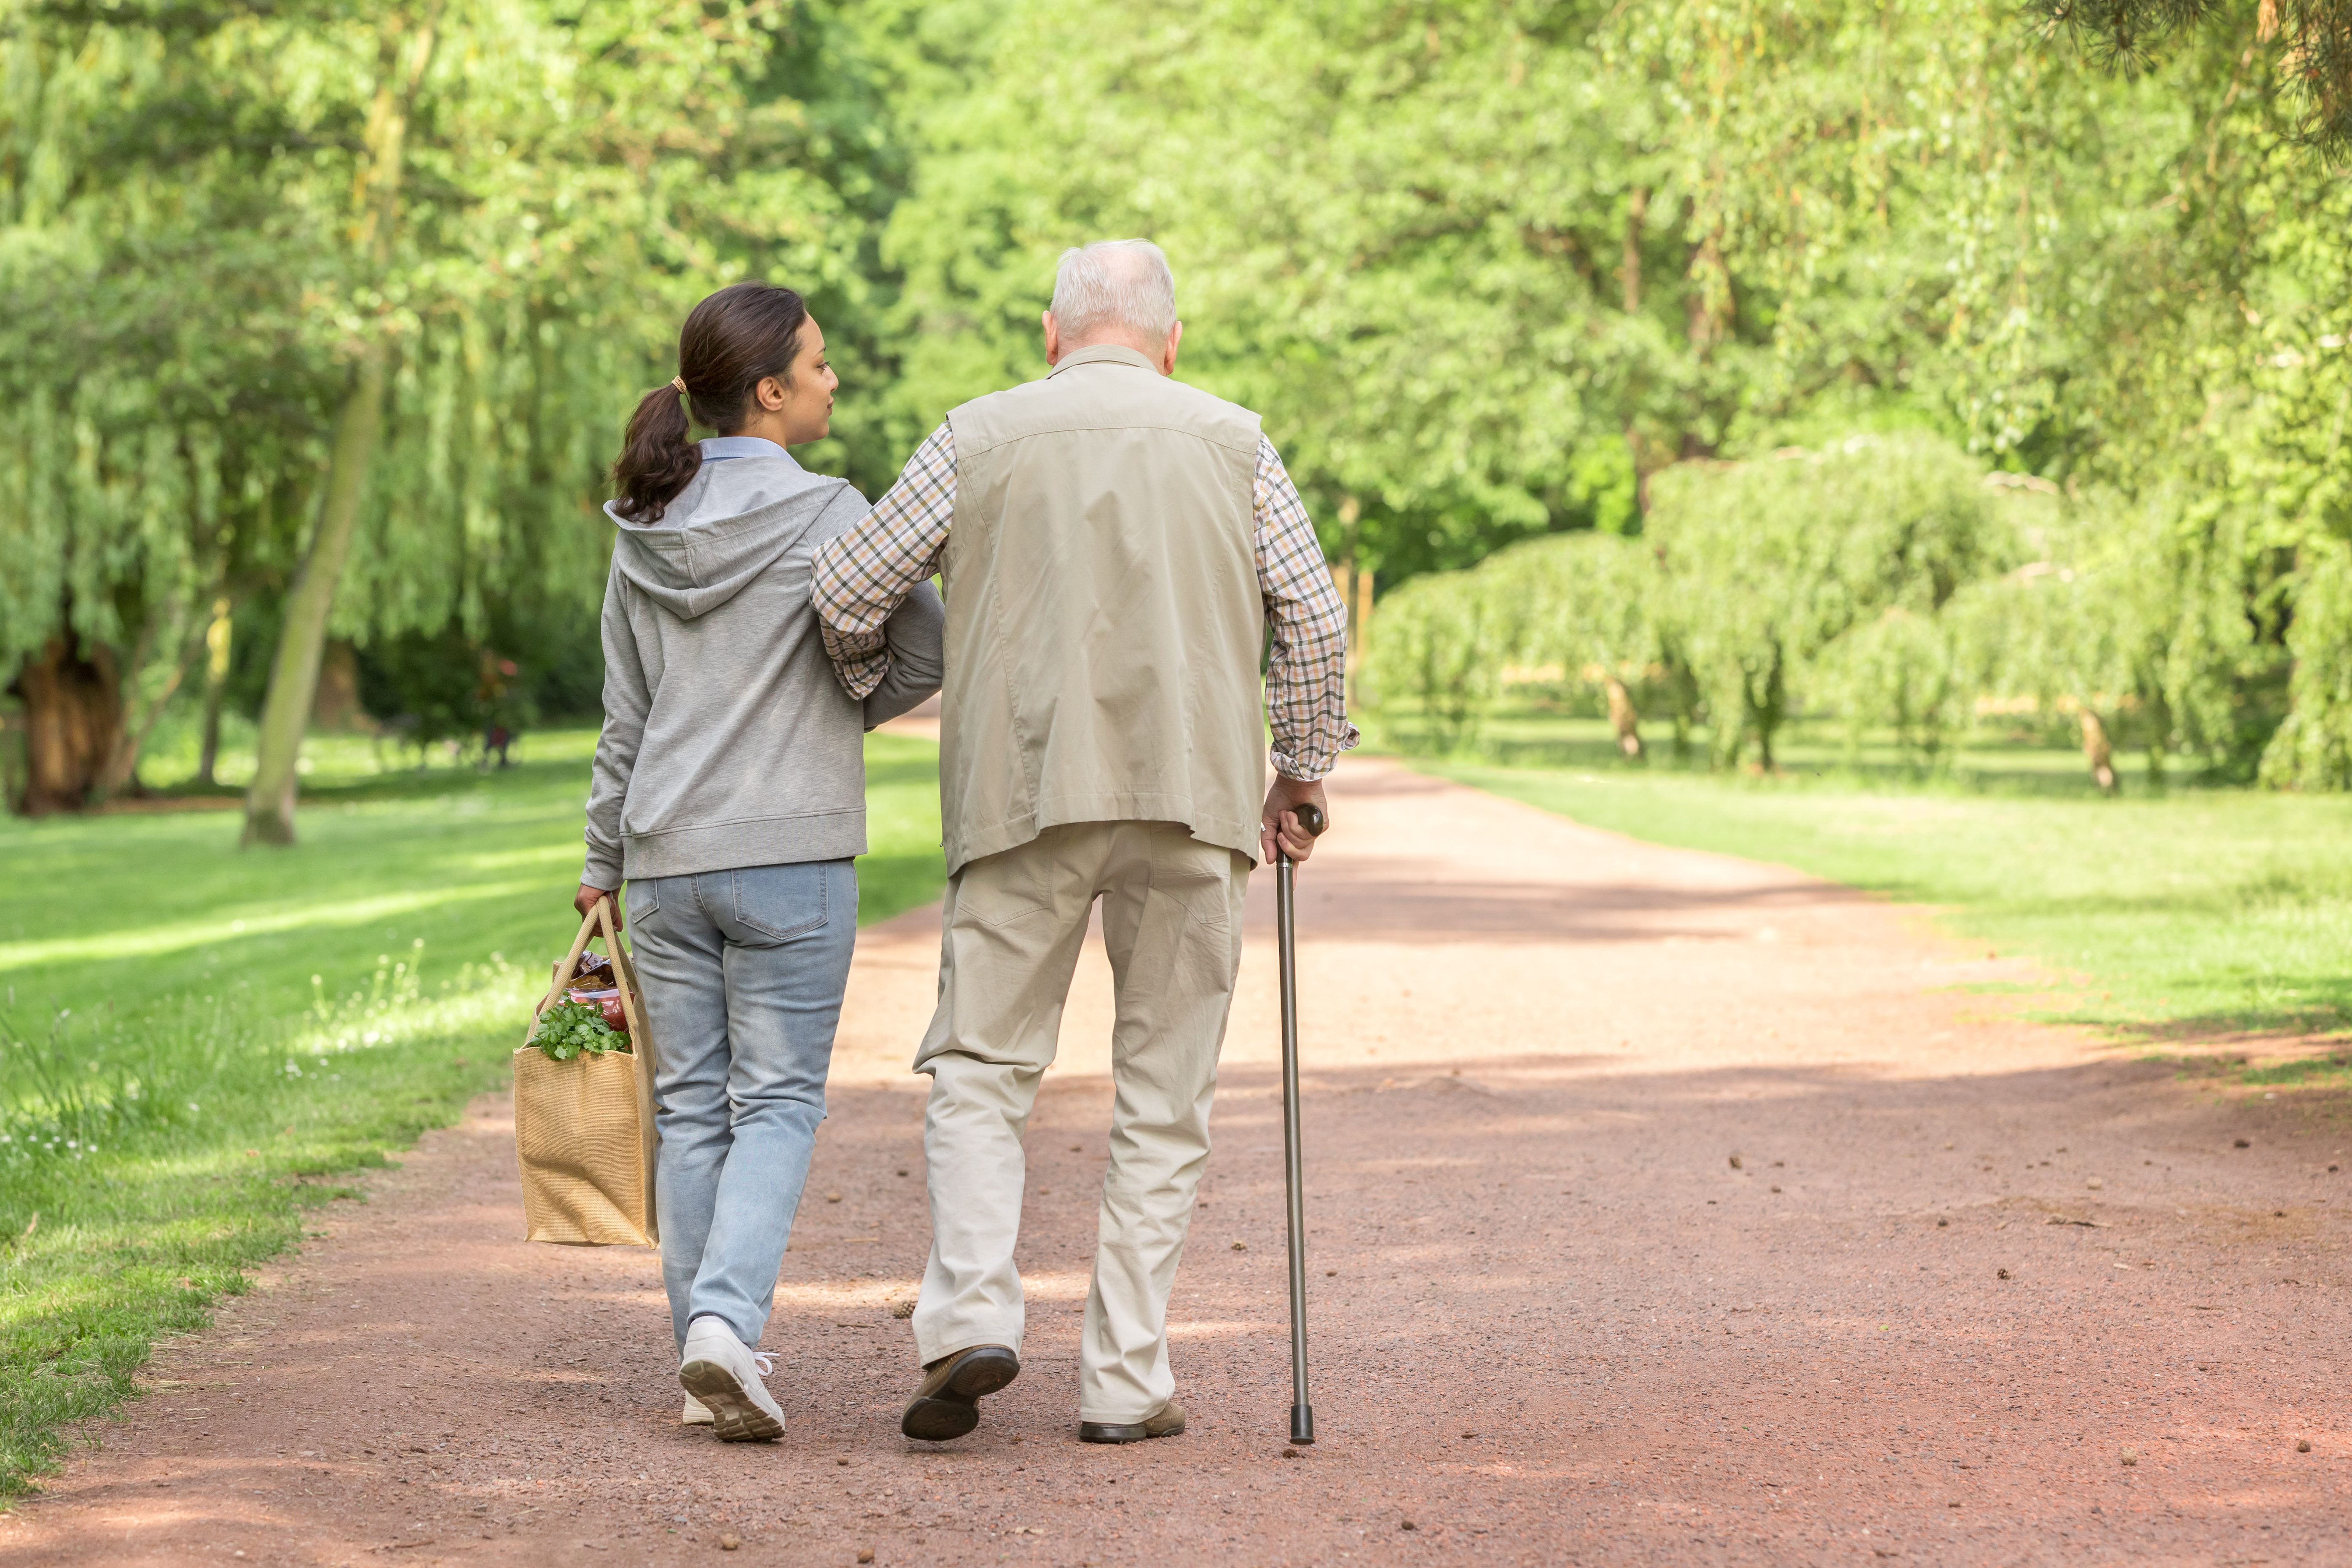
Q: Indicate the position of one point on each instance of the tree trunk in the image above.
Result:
(208, 753)
(1711, 308)
(216, 645)
(1630, 275)
(1351, 511)
(2097, 752)
(338, 706)
(1629, 272)
(294, 671)
(1767, 713)
(121, 774)
(73, 724)
(1625, 719)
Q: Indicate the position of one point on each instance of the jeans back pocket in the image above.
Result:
(781, 902)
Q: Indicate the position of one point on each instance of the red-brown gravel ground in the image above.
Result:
(1556, 1320)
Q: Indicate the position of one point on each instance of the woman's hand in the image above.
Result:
(585, 901)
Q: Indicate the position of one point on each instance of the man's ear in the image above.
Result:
(1168, 354)
(1053, 339)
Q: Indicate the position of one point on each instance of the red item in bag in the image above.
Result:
(608, 1002)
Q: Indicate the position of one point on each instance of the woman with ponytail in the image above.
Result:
(730, 792)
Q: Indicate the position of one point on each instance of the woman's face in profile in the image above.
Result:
(806, 410)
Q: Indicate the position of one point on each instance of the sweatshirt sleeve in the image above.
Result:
(626, 699)
(917, 630)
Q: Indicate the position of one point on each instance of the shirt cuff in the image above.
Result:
(859, 658)
(1306, 766)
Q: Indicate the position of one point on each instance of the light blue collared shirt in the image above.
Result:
(719, 448)
(739, 474)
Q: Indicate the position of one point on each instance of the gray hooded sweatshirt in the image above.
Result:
(727, 740)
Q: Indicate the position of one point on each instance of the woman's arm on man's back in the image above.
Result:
(918, 634)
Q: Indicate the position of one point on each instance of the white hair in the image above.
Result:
(1114, 285)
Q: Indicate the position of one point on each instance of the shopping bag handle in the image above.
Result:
(625, 972)
(598, 923)
(568, 971)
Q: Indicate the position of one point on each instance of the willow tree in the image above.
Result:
(2105, 621)
(404, 43)
(592, 174)
(1770, 564)
(466, 232)
(159, 388)
(1591, 607)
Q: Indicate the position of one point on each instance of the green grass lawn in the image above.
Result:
(2185, 914)
(195, 1042)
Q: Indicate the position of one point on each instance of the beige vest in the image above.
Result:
(1104, 618)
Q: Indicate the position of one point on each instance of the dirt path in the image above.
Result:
(1556, 1319)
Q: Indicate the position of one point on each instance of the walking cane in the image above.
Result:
(1302, 1415)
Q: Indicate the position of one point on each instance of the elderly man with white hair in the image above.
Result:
(1116, 547)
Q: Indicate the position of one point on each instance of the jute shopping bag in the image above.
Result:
(585, 1132)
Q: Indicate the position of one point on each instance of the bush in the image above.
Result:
(1444, 640)
(1889, 580)
(1769, 567)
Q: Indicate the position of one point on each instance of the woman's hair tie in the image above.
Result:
(678, 382)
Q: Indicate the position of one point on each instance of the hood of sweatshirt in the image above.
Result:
(749, 503)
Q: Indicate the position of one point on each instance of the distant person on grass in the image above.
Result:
(729, 790)
(1116, 546)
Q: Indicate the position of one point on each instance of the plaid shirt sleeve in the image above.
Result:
(1306, 675)
(860, 577)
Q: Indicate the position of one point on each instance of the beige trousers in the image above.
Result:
(1012, 928)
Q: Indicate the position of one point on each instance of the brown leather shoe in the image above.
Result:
(1168, 1421)
(947, 1403)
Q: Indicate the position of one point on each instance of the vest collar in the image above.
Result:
(1103, 353)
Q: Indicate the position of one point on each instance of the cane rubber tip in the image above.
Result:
(1310, 818)
(1302, 1424)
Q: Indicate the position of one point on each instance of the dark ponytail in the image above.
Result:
(733, 341)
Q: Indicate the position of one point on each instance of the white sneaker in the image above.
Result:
(724, 1373)
(697, 1414)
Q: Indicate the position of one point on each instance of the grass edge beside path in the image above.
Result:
(2202, 916)
(202, 1046)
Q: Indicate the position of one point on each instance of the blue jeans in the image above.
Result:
(742, 972)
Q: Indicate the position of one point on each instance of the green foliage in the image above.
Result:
(1445, 642)
(2313, 746)
(196, 1044)
(2311, 37)
(569, 1028)
(1586, 605)
(193, 276)
(2125, 612)
(1478, 266)
(1444, 638)
(1809, 576)
(1778, 572)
